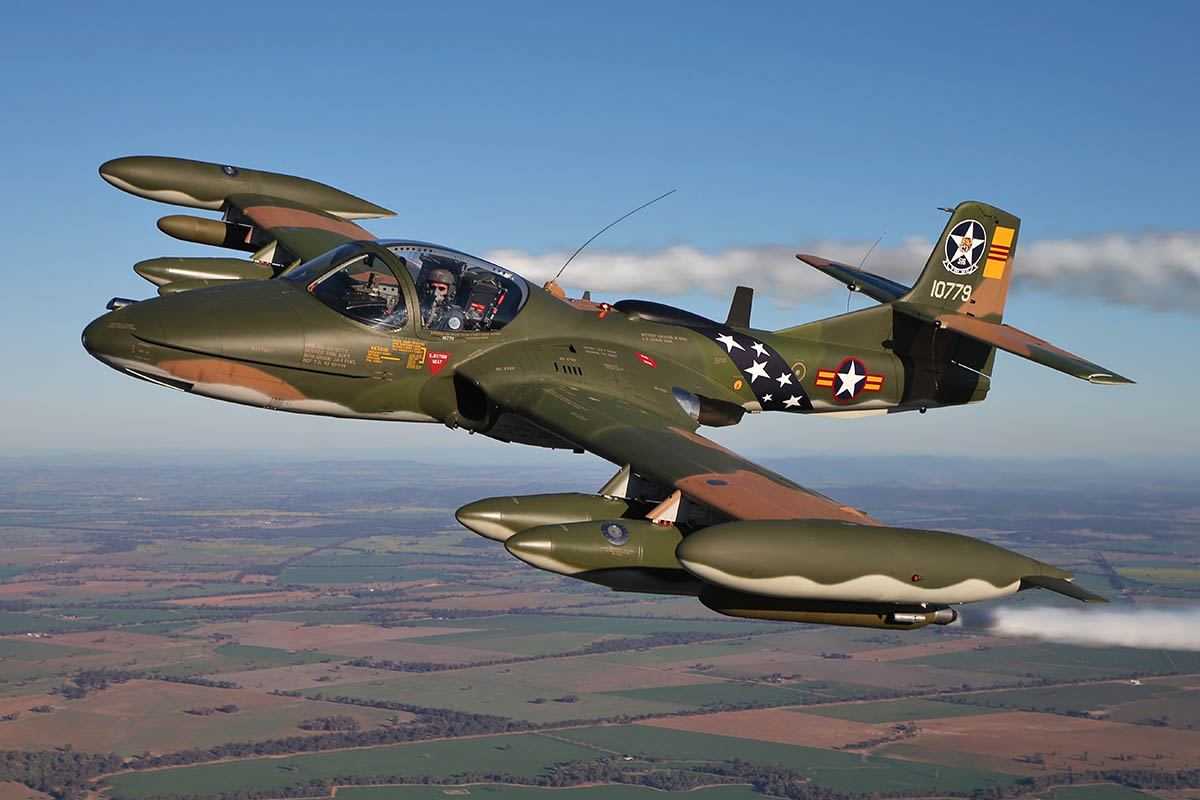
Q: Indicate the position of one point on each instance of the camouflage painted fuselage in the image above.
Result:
(324, 320)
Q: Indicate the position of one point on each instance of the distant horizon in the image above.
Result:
(1182, 466)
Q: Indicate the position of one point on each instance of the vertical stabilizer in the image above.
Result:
(970, 267)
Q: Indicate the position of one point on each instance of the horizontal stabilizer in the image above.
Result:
(1018, 342)
(873, 286)
(1062, 587)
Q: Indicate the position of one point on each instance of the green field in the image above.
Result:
(511, 792)
(380, 574)
(546, 633)
(527, 754)
(1064, 662)
(1059, 699)
(1097, 791)
(698, 695)
(37, 650)
(895, 710)
(253, 657)
(1178, 575)
(835, 769)
(490, 690)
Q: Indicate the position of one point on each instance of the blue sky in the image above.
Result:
(528, 126)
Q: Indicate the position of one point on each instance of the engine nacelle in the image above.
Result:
(846, 562)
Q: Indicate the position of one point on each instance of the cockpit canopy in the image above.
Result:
(453, 291)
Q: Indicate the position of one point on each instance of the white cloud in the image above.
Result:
(1154, 269)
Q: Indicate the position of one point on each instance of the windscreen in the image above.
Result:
(362, 288)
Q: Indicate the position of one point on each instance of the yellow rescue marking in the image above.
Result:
(404, 349)
(999, 252)
(737, 385)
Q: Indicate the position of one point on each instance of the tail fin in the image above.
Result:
(970, 267)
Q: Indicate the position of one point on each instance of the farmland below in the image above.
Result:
(283, 630)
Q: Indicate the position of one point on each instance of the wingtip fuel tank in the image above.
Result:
(201, 184)
(845, 562)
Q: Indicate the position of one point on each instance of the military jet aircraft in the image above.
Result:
(323, 318)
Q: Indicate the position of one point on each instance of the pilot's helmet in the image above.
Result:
(441, 284)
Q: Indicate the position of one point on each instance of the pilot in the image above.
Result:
(437, 290)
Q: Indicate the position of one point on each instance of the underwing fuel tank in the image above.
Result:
(208, 231)
(168, 270)
(499, 518)
(629, 555)
(825, 612)
(845, 562)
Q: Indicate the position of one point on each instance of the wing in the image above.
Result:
(668, 451)
(304, 231)
(281, 219)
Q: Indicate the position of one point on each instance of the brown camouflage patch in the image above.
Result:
(217, 370)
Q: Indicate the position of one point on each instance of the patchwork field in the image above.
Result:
(227, 633)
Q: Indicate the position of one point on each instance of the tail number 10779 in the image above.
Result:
(949, 290)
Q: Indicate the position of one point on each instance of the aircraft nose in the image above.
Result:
(111, 338)
(105, 341)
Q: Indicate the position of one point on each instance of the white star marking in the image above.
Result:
(758, 348)
(792, 402)
(728, 341)
(966, 246)
(768, 398)
(785, 379)
(849, 380)
(759, 370)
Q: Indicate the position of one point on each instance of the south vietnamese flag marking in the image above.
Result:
(999, 252)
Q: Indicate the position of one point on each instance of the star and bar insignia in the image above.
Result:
(849, 380)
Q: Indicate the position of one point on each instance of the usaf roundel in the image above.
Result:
(964, 247)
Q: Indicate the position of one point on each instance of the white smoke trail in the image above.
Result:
(1155, 269)
(1148, 628)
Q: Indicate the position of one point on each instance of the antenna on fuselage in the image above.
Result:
(552, 284)
(854, 287)
(872, 250)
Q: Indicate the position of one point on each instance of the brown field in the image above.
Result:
(777, 725)
(148, 715)
(88, 587)
(753, 663)
(1000, 738)
(348, 639)
(255, 599)
(123, 641)
(591, 676)
(937, 648)
(18, 791)
(21, 705)
(300, 676)
(500, 600)
(442, 654)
